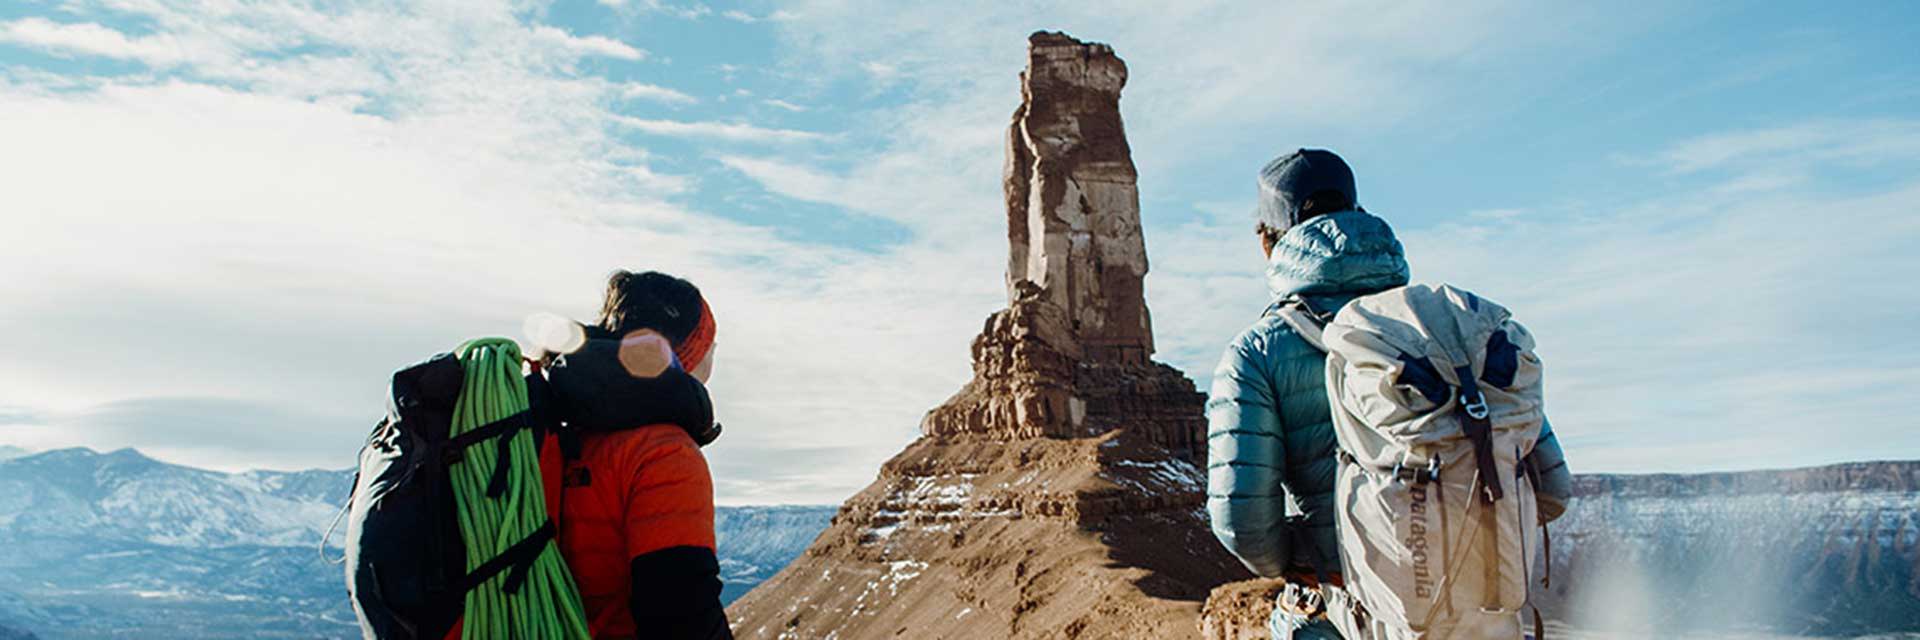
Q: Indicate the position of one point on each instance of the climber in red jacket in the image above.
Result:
(636, 510)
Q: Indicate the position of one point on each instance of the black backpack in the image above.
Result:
(405, 560)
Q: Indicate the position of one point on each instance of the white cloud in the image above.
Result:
(1846, 142)
(734, 131)
(936, 193)
(738, 16)
(782, 104)
(1497, 214)
(324, 52)
(880, 70)
(656, 93)
(588, 45)
(91, 39)
(691, 11)
(647, 179)
(796, 181)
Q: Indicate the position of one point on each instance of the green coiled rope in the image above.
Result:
(547, 606)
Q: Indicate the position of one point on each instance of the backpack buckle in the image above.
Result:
(1406, 474)
(1475, 405)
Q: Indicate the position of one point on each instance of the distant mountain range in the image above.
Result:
(117, 543)
(1829, 551)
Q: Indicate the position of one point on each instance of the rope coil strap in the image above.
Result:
(455, 449)
(519, 558)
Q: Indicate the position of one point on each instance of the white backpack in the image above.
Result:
(1436, 399)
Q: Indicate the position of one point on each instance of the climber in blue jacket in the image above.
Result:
(1270, 441)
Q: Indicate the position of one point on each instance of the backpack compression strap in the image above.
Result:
(1477, 423)
(518, 558)
(456, 447)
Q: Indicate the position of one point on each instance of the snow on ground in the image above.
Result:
(1162, 475)
(900, 571)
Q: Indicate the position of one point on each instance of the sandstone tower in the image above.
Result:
(1059, 493)
(1073, 210)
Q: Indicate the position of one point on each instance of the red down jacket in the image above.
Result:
(636, 528)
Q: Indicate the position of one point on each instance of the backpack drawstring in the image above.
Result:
(337, 517)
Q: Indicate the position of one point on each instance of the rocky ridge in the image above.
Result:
(1059, 493)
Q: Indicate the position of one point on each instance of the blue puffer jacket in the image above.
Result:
(1269, 430)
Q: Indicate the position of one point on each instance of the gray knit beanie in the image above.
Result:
(1289, 181)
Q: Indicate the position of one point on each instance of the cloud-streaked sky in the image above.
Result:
(226, 223)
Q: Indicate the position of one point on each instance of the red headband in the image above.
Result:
(694, 349)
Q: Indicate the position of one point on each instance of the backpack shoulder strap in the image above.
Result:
(1304, 320)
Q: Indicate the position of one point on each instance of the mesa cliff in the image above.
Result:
(1059, 493)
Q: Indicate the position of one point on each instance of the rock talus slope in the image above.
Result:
(1059, 493)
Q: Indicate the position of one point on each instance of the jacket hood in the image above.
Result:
(1338, 254)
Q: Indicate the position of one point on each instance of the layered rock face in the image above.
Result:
(1059, 493)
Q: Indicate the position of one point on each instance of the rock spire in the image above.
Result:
(1069, 356)
(1059, 493)
(1073, 210)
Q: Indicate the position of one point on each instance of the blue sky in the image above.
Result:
(227, 224)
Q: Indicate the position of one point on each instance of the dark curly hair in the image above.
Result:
(650, 300)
